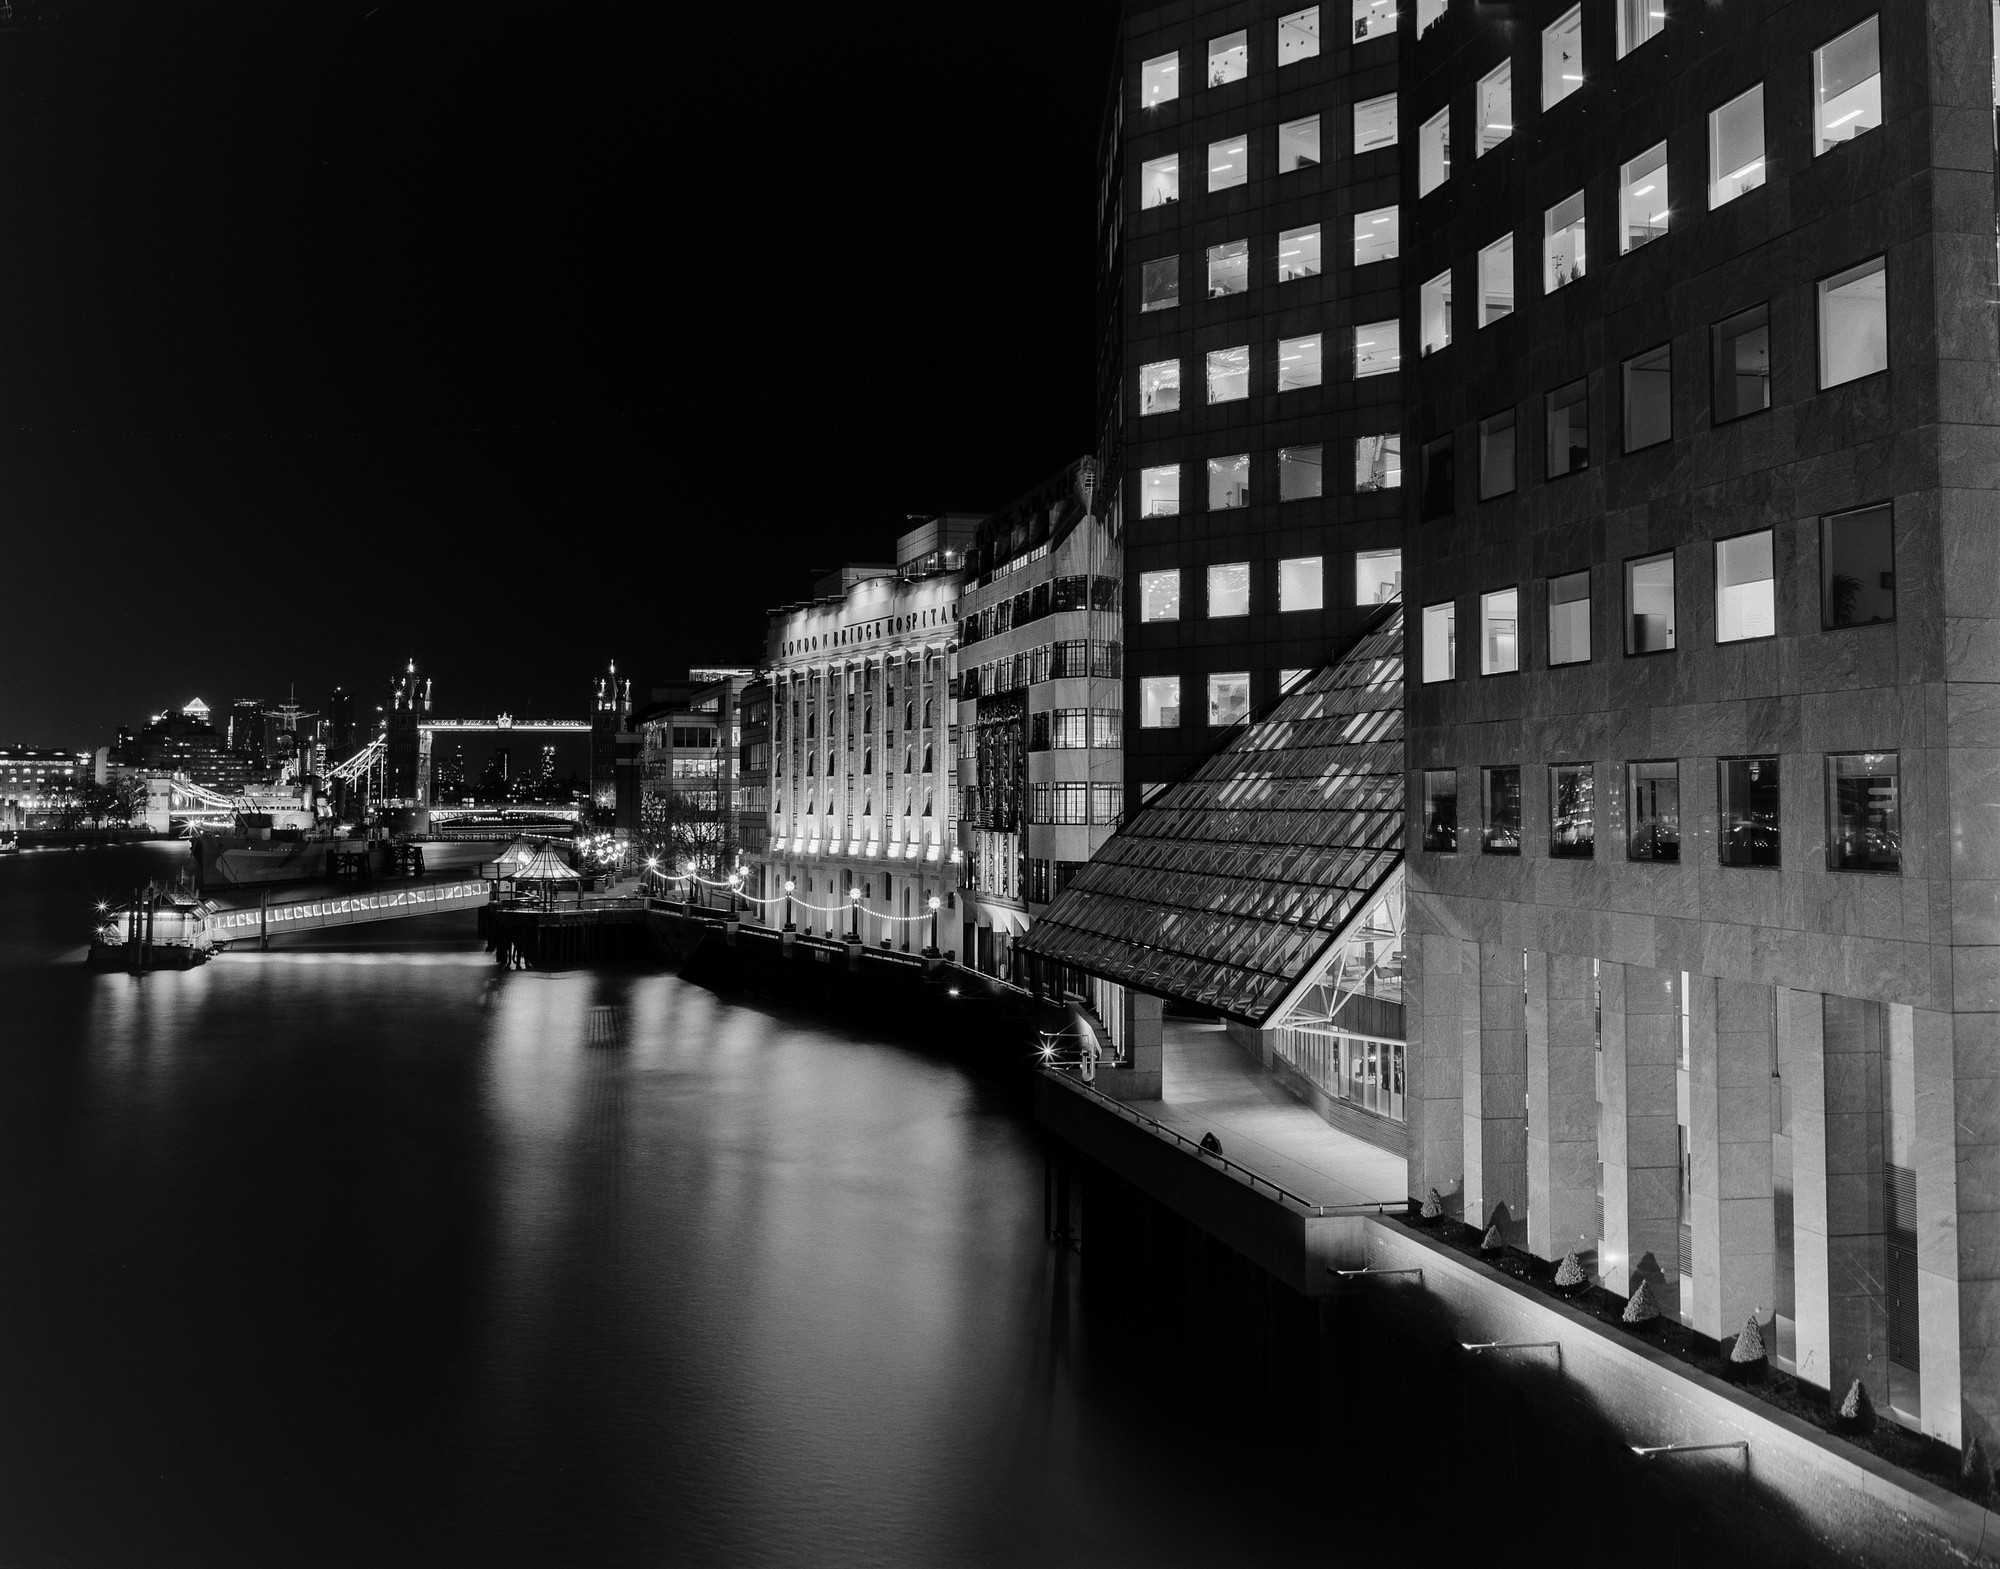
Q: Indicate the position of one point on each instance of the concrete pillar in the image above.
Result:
(1937, 1226)
(1496, 1096)
(1562, 1106)
(1802, 1059)
(1433, 1078)
(1729, 1121)
(1138, 1076)
(1857, 1317)
(1642, 1153)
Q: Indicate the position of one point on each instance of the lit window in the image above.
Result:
(1229, 698)
(1639, 20)
(1374, 19)
(1746, 798)
(1496, 107)
(1441, 807)
(1569, 619)
(1496, 455)
(1160, 284)
(1298, 253)
(1228, 268)
(1643, 203)
(1229, 482)
(1160, 595)
(1653, 811)
(1500, 792)
(1301, 584)
(1159, 702)
(1847, 78)
(1434, 152)
(1500, 632)
(1228, 375)
(1649, 398)
(1160, 491)
(1229, 589)
(1568, 429)
(1378, 576)
(1160, 80)
(1228, 163)
(1562, 250)
(1298, 36)
(1496, 281)
(1298, 144)
(1378, 462)
(1736, 147)
(1228, 58)
(1429, 14)
(1745, 593)
(1572, 804)
(1440, 479)
(1864, 812)
(1160, 181)
(1434, 313)
(1857, 568)
(1287, 679)
(1299, 473)
(1562, 57)
(1375, 124)
(1378, 348)
(1649, 604)
(1160, 387)
(1298, 363)
(1740, 353)
(1854, 323)
(1377, 236)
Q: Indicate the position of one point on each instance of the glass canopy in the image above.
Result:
(1233, 887)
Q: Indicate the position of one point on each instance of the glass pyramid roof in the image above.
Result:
(1230, 888)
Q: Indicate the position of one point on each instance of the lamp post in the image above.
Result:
(735, 882)
(789, 887)
(854, 901)
(932, 951)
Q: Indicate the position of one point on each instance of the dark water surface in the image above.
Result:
(364, 1253)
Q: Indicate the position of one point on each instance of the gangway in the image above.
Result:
(312, 912)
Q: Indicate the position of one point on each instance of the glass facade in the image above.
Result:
(1230, 885)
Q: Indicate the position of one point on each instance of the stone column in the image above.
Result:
(1138, 1076)
(1802, 1059)
(1433, 1079)
(1642, 1200)
(1496, 1095)
(1729, 1122)
(1937, 1226)
(1857, 1317)
(1562, 1106)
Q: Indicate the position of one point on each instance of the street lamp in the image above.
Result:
(735, 882)
(789, 887)
(935, 903)
(854, 902)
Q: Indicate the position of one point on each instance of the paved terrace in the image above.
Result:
(1210, 1084)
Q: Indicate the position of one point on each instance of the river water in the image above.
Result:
(362, 1252)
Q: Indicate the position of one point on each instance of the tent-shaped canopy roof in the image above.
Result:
(546, 867)
(1232, 887)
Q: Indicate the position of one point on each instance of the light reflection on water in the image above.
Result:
(373, 1254)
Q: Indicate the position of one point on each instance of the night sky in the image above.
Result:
(510, 337)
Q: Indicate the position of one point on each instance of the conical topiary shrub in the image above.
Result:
(1748, 1358)
(1570, 1277)
(1975, 1476)
(1433, 1206)
(1857, 1411)
(1493, 1242)
(1641, 1311)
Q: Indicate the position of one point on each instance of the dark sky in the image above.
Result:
(509, 337)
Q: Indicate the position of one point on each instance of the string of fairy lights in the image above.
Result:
(734, 885)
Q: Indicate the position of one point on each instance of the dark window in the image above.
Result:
(1746, 793)
(1501, 788)
(1572, 796)
(1649, 398)
(1864, 812)
(1741, 349)
(1038, 732)
(1441, 810)
(1440, 483)
(1649, 604)
(1857, 568)
(1038, 880)
(1653, 811)
(1496, 455)
(1569, 619)
(1569, 429)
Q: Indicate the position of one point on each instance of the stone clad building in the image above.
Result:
(1703, 847)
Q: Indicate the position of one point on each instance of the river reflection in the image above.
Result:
(365, 1253)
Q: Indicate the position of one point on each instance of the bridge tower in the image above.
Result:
(611, 713)
(409, 705)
